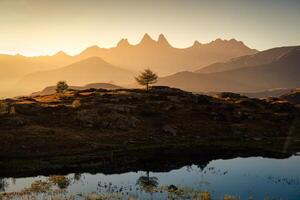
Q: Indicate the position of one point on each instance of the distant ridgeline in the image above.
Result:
(118, 64)
(268, 70)
(221, 65)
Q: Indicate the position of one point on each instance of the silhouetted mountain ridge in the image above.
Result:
(261, 58)
(165, 59)
(293, 96)
(270, 69)
(93, 69)
(14, 67)
(196, 82)
(52, 89)
(159, 55)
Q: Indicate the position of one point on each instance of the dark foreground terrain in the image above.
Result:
(121, 129)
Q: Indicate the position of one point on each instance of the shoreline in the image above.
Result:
(160, 158)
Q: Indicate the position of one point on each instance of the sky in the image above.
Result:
(44, 27)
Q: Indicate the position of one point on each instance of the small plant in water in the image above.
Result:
(61, 181)
(38, 187)
(204, 196)
(230, 197)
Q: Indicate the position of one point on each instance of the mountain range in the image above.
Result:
(14, 67)
(158, 55)
(270, 69)
(23, 75)
(262, 58)
(221, 65)
(161, 57)
(89, 70)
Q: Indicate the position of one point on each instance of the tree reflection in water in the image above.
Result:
(3, 184)
(77, 178)
(147, 183)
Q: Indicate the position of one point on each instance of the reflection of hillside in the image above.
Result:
(159, 160)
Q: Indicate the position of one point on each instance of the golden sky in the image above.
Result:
(35, 27)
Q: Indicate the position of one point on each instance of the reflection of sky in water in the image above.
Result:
(243, 177)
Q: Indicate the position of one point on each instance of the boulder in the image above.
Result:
(203, 99)
(116, 120)
(250, 103)
(282, 106)
(167, 90)
(293, 97)
(231, 95)
(169, 129)
(15, 121)
(4, 108)
(172, 188)
(27, 108)
(111, 120)
(175, 99)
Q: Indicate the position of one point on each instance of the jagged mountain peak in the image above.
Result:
(196, 43)
(224, 41)
(234, 41)
(147, 37)
(93, 59)
(91, 51)
(61, 54)
(147, 40)
(219, 40)
(94, 47)
(162, 41)
(19, 56)
(123, 43)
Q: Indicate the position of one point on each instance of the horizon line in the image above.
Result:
(32, 54)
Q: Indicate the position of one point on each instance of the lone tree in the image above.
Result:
(61, 87)
(146, 78)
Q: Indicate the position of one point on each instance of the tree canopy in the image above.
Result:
(146, 78)
(61, 86)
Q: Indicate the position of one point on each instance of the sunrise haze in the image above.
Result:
(33, 27)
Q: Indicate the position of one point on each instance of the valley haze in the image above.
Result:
(117, 65)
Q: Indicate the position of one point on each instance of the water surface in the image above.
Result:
(254, 177)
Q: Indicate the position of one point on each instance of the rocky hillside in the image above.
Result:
(59, 131)
(162, 112)
(293, 96)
